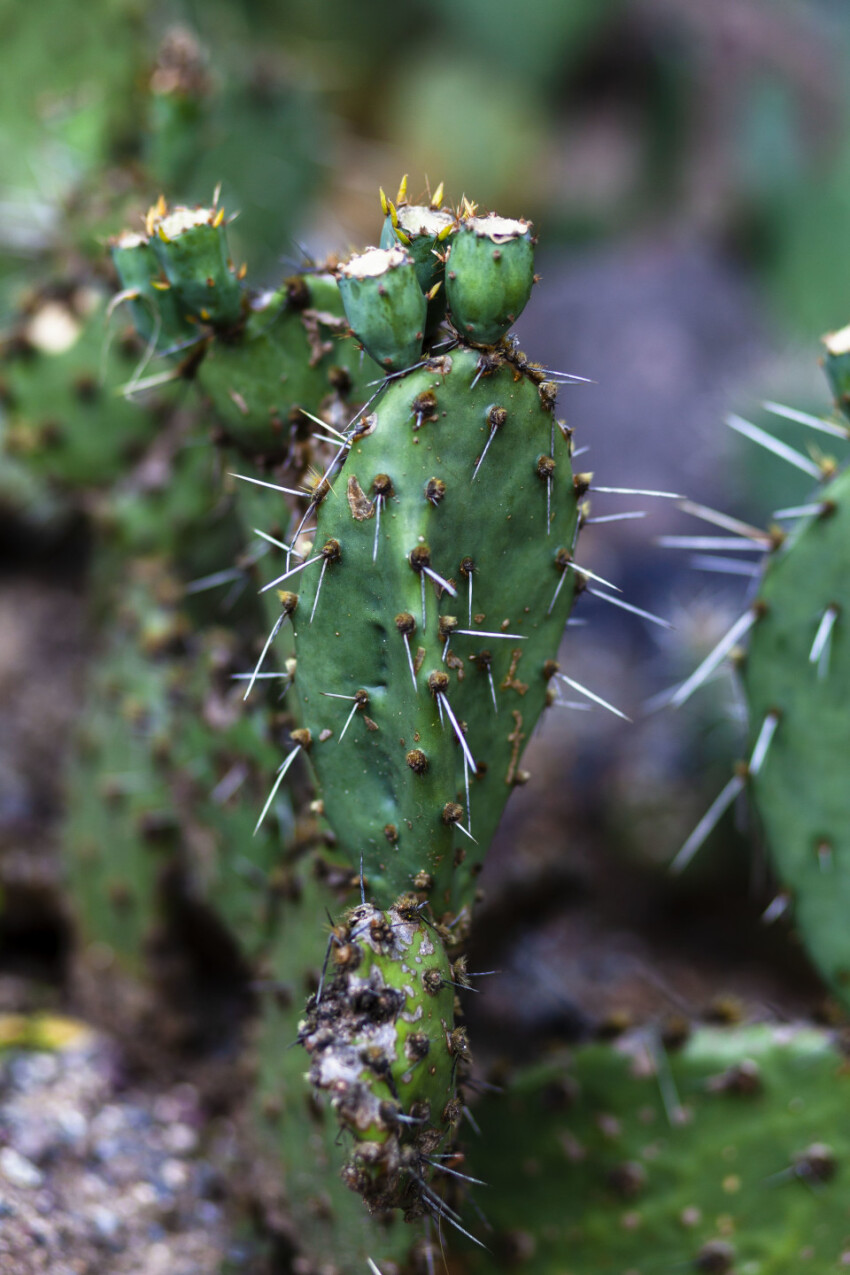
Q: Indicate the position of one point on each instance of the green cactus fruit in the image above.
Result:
(837, 367)
(442, 582)
(381, 1037)
(426, 231)
(191, 247)
(728, 1155)
(385, 305)
(289, 354)
(489, 276)
(156, 310)
(797, 682)
(61, 411)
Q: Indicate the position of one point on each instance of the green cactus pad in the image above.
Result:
(383, 1044)
(445, 478)
(299, 1135)
(489, 276)
(191, 247)
(385, 305)
(61, 412)
(728, 1156)
(801, 790)
(168, 772)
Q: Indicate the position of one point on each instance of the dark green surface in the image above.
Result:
(587, 1175)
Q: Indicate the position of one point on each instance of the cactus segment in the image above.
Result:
(302, 1137)
(381, 1037)
(191, 247)
(743, 1172)
(797, 670)
(440, 611)
(385, 305)
(489, 276)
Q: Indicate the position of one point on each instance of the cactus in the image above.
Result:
(796, 680)
(165, 747)
(727, 1154)
(426, 630)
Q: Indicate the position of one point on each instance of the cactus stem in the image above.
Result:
(715, 657)
(627, 606)
(775, 445)
(281, 775)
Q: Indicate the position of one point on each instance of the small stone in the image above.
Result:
(18, 1170)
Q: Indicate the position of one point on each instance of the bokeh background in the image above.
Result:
(687, 168)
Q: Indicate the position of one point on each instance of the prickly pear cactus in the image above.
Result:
(727, 1155)
(797, 681)
(428, 620)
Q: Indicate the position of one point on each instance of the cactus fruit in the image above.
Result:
(257, 360)
(489, 276)
(385, 305)
(725, 1155)
(190, 245)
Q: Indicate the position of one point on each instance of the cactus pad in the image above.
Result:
(742, 1171)
(382, 1042)
(437, 611)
